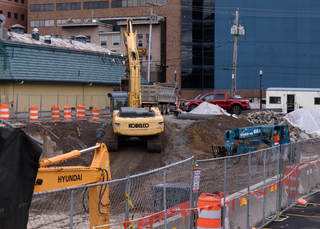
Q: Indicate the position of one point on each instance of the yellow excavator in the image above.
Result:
(51, 177)
(133, 120)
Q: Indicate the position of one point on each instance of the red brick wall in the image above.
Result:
(14, 7)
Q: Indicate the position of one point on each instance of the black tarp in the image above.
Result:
(19, 160)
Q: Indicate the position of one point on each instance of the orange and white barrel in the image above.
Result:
(81, 112)
(55, 113)
(95, 115)
(67, 113)
(4, 111)
(209, 207)
(33, 114)
(291, 185)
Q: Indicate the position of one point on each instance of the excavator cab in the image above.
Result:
(118, 99)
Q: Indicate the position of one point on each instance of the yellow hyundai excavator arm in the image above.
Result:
(52, 178)
(133, 65)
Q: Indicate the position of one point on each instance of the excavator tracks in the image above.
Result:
(154, 143)
(111, 139)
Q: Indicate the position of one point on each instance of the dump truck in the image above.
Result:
(161, 95)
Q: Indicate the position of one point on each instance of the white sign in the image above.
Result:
(196, 180)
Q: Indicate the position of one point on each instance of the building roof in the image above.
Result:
(292, 89)
(49, 64)
(57, 42)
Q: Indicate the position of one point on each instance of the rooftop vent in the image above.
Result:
(81, 38)
(35, 34)
(17, 28)
(47, 39)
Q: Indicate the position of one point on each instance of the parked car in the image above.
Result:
(234, 106)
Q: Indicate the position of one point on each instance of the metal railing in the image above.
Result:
(257, 187)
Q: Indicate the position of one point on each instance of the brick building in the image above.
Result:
(47, 14)
(16, 12)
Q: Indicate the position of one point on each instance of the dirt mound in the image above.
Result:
(185, 138)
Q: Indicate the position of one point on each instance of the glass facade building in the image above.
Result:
(197, 44)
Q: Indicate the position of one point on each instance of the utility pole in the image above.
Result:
(236, 31)
(150, 31)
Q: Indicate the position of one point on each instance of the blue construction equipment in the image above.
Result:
(265, 132)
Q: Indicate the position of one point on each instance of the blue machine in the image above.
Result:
(264, 132)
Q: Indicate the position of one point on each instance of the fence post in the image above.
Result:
(191, 194)
(71, 209)
(29, 102)
(17, 106)
(277, 195)
(99, 102)
(40, 105)
(264, 183)
(58, 100)
(164, 199)
(248, 202)
(282, 171)
(128, 192)
(91, 105)
(309, 168)
(224, 194)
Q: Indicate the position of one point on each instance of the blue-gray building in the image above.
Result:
(281, 38)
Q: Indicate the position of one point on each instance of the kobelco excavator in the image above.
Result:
(133, 120)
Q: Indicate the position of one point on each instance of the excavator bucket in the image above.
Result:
(220, 150)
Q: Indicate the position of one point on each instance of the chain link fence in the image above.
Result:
(19, 104)
(257, 187)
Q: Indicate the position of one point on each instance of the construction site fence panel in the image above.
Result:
(19, 104)
(243, 191)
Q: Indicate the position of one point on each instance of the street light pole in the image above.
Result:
(260, 72)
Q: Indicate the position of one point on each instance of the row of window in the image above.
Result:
(277, 100)
(93, 5)
(22, 1)
(15, 15)
(42, 23)
(115, 40)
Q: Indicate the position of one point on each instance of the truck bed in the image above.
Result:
(158, 94)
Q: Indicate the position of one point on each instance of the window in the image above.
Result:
(209, 97)
(22, 1)
(15, 0)
(158, 2)
(74, 20)
(96, 5)
(22, 17)
(42, 23)
(316, 101)
(116, 40)
(219, 96)
(88, 39)
(140, 40)
(0, 11)
(16, 16)
(275, 100)
(9, 14)
(42, 7)
(103, 40)
(124, 3)
(69, 6)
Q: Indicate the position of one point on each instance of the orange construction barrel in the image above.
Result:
(209, 207)
(55, 113)
(67, 113)
(4, 111)
(291, 184)
(95, 115)
(33, 114)
(81, 112)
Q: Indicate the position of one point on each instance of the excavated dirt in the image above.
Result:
(181, 139)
